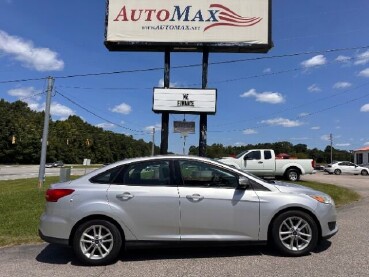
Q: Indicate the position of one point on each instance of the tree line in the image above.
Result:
(73, 140)
(70, 140)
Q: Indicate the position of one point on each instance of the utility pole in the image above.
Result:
(153, 142)
(331, 139)
(41, 174)
(184, 143)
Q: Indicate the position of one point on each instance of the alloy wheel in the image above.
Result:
(295, 233)
(96, 242)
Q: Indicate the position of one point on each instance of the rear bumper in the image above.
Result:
(53, 240)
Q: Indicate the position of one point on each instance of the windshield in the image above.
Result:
(241, 154)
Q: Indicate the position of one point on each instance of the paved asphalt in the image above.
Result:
(31, 171)
(346, 254)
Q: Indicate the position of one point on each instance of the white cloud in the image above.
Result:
(314, 88)
(122, 108)
(265, 97)
(282, 122)
(362, 58)
(364, 73)
(314, 61)
(41, 59)
(60, 110)
(25, 92)
(343, 59)
(325, 137)
(29, 95)
(105, 125)
(303, 114)
(157, 127)
(365, 108)
(315, 128)
(171, 85)
(301, 138)
(249, 132)
(267, 70)
(239, 144)
(342, 85)
(366, 143)
(343, 144)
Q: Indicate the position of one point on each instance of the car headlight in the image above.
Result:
(325, 199)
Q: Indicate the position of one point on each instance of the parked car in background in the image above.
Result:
(181, 199)
(345, 167)
(54, 164)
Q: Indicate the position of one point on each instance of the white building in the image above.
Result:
(361, 155)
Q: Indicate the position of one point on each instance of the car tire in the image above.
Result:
(293, 175)
(337, 172)
(294, 233)
(364, 172)
(97, 242)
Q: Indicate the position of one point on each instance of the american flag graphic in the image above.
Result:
(230, 18)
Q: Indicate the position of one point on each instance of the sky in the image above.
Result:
(313, 82)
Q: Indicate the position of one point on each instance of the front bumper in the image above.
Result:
(327, 216)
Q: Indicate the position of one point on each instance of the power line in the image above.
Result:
(23, 80)
(102, 118)
(216, 63)
(192, 65)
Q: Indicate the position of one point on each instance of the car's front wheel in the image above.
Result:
(97, 242)
(364, 172)
(295, 233)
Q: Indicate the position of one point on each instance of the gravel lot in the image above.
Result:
(346, 254)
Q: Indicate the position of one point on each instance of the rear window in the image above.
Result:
(107, 177)
(267, 155)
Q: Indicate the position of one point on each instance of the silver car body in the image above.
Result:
(182, 213)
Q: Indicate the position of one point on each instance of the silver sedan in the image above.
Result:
(346, 167)
(181, 200)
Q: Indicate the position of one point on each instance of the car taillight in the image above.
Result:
(53, 195)
(313, 164)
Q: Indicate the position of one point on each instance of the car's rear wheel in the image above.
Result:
(295, 233)
(337, 172)
(293, 175)
(97, 242)
(364, 172)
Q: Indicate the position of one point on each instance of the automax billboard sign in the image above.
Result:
(189, 25)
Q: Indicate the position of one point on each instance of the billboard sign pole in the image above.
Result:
(204, 117)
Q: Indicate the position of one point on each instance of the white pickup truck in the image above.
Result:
(263, 163)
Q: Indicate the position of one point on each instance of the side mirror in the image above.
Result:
(243, 183)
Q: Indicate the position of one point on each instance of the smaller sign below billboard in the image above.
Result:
(184, 127)
(184, 100)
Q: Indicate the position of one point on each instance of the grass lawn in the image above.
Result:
(21, 204)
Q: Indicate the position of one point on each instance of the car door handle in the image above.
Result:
(125, 196)
(260, 162)
(195, 197)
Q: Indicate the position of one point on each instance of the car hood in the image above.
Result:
(294, 188)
